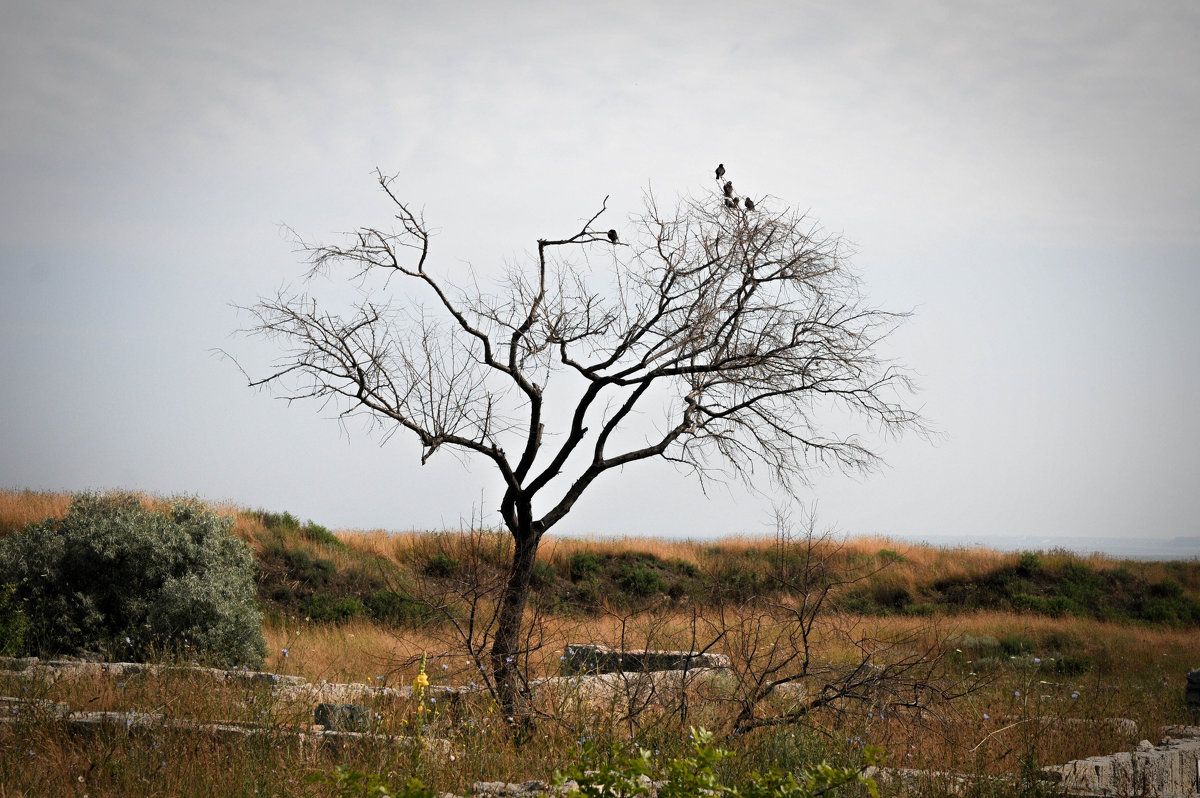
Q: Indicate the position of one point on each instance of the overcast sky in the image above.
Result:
(1024, 176)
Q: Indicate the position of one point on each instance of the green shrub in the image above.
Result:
(1029, 563)
(1070, 665)
(890, 594)
(283, 521)
(544, 575)
(858, 600)
(391, 606)
(301, 566)
(1015, 645)
(683, 567)
(12, 622)
(1123, 576)
(1023, 602)
(319, 534)
(588, 595)
(332, 609)
(360, 579)
(620, 774)
(1082, 585)
(641, 580)
(114, 577)
(1081, 574)
(346, 782)
(441, 564)
(1055, 607)
(925, 609)
(741, 585)
(583, 565)
(853, 558)
(1167, 589)
(1172, 611)
(1058, 606)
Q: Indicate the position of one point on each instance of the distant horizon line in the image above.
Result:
(1179, 546)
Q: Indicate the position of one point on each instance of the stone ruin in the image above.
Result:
(581, 658)
(1170, 769)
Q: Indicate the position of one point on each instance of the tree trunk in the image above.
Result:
(506, 647)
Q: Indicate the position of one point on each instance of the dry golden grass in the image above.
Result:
(1019, 714)
(21, 507)
(357, 651)
(1015, 718)
(916, 563)
(1022, 714)
(378, 542)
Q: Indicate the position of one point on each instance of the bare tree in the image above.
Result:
(772, 642)
(736, 333)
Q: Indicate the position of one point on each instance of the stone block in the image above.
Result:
(1166, 769)
(504, 789)
(344, 717)
(588, 658)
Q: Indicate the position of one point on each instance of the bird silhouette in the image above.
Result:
(729, 188)
(720, 171)
(612, 236)
(731, 202)
(749, 204)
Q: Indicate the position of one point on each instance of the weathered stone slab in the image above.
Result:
(1169, 769)
(287, 688)
(152, 721)
(505, 789)
(906, 781)
(587, 658)
(1191, 693)
(1181, 732)
(1122, 726)
(55, 669)
(12, 708)
(345, 717)
(664, 688)
(536, 788)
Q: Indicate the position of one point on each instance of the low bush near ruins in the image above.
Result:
(116, 578)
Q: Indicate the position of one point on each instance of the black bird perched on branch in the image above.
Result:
(720, 171)
(612, 236)
(729, 188)
(749, 204)
(731, 203)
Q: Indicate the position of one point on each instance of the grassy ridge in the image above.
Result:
(307, 570)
